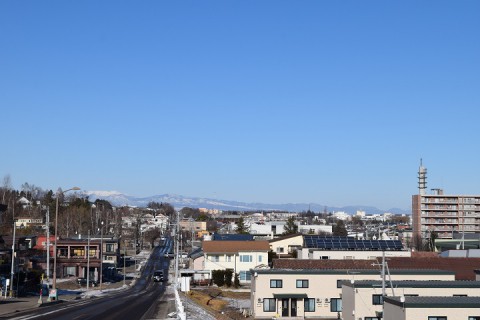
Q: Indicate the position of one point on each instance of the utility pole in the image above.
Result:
(124, 258)
(101, 254)
(47, 222)
(13, 254)
(88, 259)
(177, 247)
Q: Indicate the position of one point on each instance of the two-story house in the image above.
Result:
(239, 256)
(315, 293)
(75, 258)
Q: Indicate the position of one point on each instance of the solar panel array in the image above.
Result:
(349, 243)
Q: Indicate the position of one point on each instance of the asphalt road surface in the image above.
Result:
(142, 301)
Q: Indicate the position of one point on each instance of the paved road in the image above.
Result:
(146, 300)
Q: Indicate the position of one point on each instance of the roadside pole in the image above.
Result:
(88, 259)
(124, 256)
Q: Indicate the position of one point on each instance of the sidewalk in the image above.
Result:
(13, 305)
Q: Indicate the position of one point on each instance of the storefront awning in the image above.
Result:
(290, 295)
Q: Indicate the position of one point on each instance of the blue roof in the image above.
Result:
(232, 237)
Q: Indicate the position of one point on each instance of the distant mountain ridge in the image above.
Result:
(178, 201)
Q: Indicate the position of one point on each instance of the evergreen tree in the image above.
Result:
(290, 227)
(241, 227)
(339, 229)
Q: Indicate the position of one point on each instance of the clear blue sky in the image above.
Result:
(329, 102)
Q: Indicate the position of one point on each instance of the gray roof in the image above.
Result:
(413, 284)
(196, 253)
(435, 302)
(350, 271)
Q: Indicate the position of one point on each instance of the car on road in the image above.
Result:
(158, 275)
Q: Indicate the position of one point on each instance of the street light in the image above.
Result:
(54, 283)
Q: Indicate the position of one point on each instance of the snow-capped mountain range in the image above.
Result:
(178, 201)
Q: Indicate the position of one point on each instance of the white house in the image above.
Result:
(240, 256)
(269, 228)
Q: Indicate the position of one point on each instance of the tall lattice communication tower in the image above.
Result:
(422, 178)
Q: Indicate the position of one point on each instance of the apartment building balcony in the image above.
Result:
(454, 222)
(439, 207)
(440, 200)
(439, 215)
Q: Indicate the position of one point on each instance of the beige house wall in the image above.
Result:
(350, 255)
(194, 226)
(322, 287)
(360, 299)
(283, 246)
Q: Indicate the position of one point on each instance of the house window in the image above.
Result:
(275, 283)
(474, 318)
(110, 247)
(71, 271)
(63, 252)
(437, 318)
(245, 276)
(260, 258)
(372, 318)
(280, 249)
(377, 299)
(229, 258)
(336, 305)
(309, 305)
(246, 258)
(215, 258)
(324, 257)
(78, 252)
(269, 305)
(302, 283)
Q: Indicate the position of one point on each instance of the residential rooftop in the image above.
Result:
(412, 284)
(435, 302)
(234, 246)
(462, 267)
